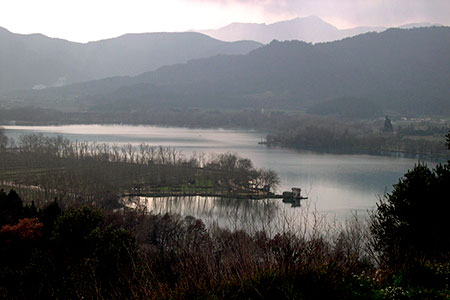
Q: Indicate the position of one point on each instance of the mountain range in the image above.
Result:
(37, 61)
(309, 29)
(406, 71)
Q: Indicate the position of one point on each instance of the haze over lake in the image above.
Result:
(335, 184)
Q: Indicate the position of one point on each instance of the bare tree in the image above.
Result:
(3, 139)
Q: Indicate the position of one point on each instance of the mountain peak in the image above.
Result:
(312, 29)
(309, 29)
(310, 18)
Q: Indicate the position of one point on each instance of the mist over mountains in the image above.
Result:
(37, 61)
(399, 70)
(309, 29)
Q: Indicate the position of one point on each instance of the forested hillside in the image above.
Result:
(37, 61)
(403, 71)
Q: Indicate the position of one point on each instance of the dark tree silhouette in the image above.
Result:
(447, 140)
(411, 223)
(388, 125)
(11, 207)
(49, 215)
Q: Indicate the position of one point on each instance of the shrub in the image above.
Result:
(26, 229)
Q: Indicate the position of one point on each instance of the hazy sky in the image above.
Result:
(85, 20)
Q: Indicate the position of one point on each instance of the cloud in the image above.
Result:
(352, 12)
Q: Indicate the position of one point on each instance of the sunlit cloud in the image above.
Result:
(352, 12)
(85, 20)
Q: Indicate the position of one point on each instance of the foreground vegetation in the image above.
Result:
(75, 251)
(84, 249)
(84, 252)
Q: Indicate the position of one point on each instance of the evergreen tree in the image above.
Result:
(411, 223)
(388, 125)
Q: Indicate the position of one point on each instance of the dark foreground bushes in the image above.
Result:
(85, 253)
(69, 255)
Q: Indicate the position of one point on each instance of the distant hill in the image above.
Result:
(35, 60)
(418, 25)
(309, 29)
(399, 70)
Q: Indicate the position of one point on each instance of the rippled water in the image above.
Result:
(335, 184)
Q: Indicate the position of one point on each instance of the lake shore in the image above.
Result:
(337, 183)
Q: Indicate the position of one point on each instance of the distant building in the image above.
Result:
(296, 193)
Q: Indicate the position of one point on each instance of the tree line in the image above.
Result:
(56, 166)
(289, 129)
(339, 137)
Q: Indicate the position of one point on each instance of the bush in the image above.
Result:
(73, 255)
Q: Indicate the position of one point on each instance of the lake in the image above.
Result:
(337, 185)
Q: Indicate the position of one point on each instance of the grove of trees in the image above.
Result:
(55, 167)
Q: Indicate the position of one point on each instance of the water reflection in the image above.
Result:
(338, 184)
(229, 213)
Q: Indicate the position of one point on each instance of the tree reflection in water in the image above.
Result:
(229, 213)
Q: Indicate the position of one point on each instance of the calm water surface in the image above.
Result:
(335, 184)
